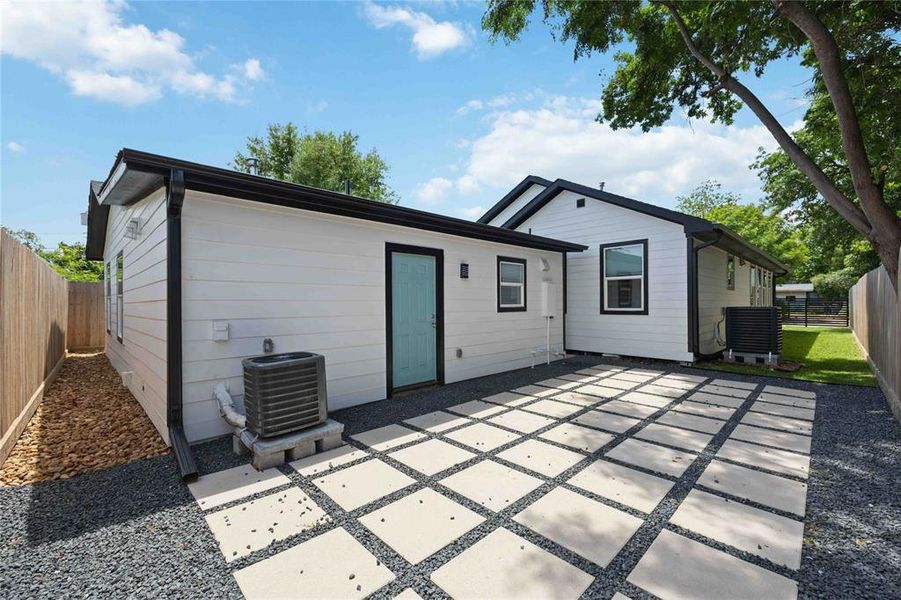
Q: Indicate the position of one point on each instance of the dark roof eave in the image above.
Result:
(512, 195)
(735, 244)
(136, 173)
(98, 215)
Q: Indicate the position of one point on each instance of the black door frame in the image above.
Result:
(391, 248)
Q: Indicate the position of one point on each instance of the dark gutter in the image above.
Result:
(512, 195)
(175, 197)
(137, 172)
(565, 283)
(694, 334)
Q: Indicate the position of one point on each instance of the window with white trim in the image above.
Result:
(120, 307)
(730, 272)
(624, 277)
(108, 298)
(511, 284)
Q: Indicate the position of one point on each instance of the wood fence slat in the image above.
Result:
(86, 316)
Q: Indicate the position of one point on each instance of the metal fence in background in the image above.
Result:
(814, 311)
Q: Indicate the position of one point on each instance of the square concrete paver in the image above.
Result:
(408, 594)
(808, 403)
(390, 436)
(326, 461)
(675, 436)
(437, 421)
(717, 399)
(519, 420)
(560, 384)
(504, 565)
(541, 457)
(491, 484)
(630, 376)
(768, 437)
(310, 570)
(765, 534)
(785, 391)
(361, 484)
(552, 408)
(583, 379)
(769, 490)
(617, 384)
(696, 379)
(590, 529)
(229, 485)
(780, 461)
(693, 422)
(599, 390)
(652, 457)
(607, 421)
(661, 390)
(621, 484)
(476, 409)
(783, 410)
(481, 436)
(721, 390)
(509, 399)
(629, 409)
(799, 426)
(742, 385)
(246, 528)
(675, 567)
(578, 399)
(640, 397)
(536, 390)
(678, 384)
(578, 437)
(418, 525)
(705, 410)
(432, 456)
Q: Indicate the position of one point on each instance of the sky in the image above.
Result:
(459, 119)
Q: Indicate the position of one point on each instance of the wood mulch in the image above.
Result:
(87, 421)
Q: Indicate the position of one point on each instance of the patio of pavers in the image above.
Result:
(600, 481)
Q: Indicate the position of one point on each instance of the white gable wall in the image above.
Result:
(315, 282)
(142, 351)
(515, 206)
(663, 332)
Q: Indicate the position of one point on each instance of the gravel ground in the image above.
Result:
(134, 530)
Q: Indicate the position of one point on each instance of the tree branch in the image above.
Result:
(824, 185)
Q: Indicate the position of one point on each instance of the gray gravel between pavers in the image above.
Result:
(135, 530)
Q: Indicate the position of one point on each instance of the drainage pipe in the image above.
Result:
(227, 407)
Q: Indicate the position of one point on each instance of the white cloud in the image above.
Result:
(497, 102)
(434, 190)
(15, 147)
(317, 106)
(430, 38)
(99, 55)
(473, 212)
(562, 139)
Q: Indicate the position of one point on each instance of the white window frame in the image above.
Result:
(517, 262)
(605, 301)
(730, 273)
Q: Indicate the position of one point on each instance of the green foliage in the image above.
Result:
(835, 284)
(320, 159)
(765, 229)
(66, 259)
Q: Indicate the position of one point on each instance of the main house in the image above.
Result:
(206, 266)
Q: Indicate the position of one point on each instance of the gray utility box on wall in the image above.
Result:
(284, 393)
(754, 333)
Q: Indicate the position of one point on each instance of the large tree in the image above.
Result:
(764, 228)
(321, 159)
(691, 53)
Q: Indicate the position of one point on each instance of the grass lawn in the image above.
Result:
(828, 355)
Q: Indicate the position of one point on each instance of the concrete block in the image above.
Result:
(273, 452)
(301, 450)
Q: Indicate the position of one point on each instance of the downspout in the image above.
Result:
(175, 197)
(564, 302)
(694, 336)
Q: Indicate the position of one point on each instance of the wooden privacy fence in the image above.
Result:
(85, 329)
(876, 322)
(34, 321)
(814, 311)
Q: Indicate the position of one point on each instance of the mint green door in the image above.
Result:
(413, 319)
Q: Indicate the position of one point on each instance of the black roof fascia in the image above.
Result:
(133, 166)
(98, 215)
(695, 226)
(512, 195)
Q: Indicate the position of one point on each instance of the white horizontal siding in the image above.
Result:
(515, 206)
(142, 350)
(714, 294)
(663, 332)
(315, 282)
